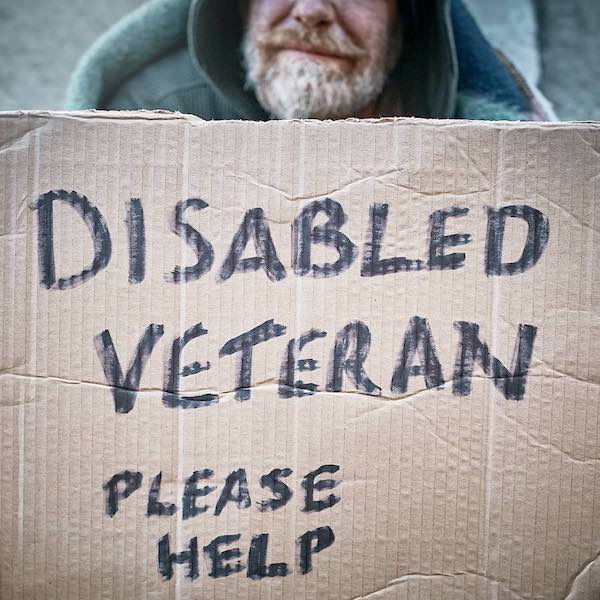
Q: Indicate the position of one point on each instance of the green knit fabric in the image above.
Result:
(136, 41)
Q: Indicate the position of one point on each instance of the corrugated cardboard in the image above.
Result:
(437, 283)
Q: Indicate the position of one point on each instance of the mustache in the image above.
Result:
(327, 42)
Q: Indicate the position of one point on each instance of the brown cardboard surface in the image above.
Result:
(449, 487)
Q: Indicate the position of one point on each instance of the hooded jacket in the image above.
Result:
(184, 55)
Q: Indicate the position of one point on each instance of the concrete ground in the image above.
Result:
(41, 40)
(570, 37)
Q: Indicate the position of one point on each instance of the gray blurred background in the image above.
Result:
(556, 43)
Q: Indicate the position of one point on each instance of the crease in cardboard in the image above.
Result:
(12, 236)
(273, 383)
(459, 147)
(348, 186)
(547, 444)
(185, 175)
(20, 140)
(299, 173)
(491, 426)
(589, 144)
(35, 138)
(301, 198)
(570, 215)
(573, 592)
(554, 373)
(432, 431)
(428, 577)
(228, 395)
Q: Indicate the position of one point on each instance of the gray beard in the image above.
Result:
(306, 89)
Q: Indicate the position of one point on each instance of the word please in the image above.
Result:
(305, 234)
(235, 491)
(417, 357)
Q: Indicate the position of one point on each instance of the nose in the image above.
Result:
(313, 13)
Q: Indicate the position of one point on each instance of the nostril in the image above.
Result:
(313, 13)
(310, 21)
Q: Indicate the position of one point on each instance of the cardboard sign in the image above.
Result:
(338, 360)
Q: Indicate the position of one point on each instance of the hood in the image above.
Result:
(428, 60)
(154, 29)
(447, 68)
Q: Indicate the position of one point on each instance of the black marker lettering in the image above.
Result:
(218, 558)
(155, 506)
(195, 240)
(255, 226)
(373, 265)
(241, 497)
(351, 349)
(171, 396)
(282, 493)
(438, 241)
(96, 225)
(288, 388)
(472, 350)
(417, 339)
(537, 239)
(310, 485)
(136, 231)
(323, 536)
(119, 487)
(328, 234)
(244, 344)
(125, 388)
(257, 560)
(166, 560)
(192, 492)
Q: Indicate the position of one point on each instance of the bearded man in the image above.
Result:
(286, 59)
(318, 58)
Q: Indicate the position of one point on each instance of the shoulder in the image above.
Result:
(482, 108)
(171, 83)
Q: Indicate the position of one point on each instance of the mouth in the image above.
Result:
(313, 52)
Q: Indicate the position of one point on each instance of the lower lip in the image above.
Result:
(314, 55)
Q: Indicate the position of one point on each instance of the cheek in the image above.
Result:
(369, 23)
(266, 14)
